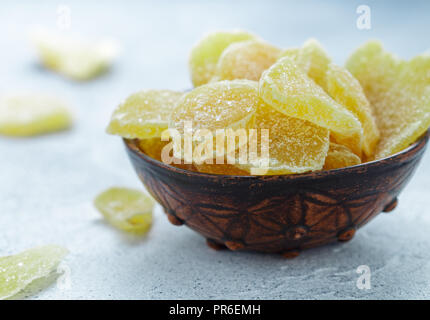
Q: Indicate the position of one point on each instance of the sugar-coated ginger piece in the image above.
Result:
(19, 270)
(245, 60)
(126, 209)
(295, 145)
(73, 56)
(224, 169)
(339, 156)
(144, 114)
(154, 148)
(216, 105)
(312, 59)
(399, 92)
(346, 90)
(205, 54)
(288, 89)
(33, 114)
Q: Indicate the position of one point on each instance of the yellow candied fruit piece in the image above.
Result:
(224, 169)
(205, 54)
(346, 90)
(126, 209)
(72, 56)
(285, 87)
(339, 156)
(312, 59)
(295, 145)
(19, 270)
(246, 60)
(399, 92)
(144, 114)
(217, 105)
(316, 60)
(154, 148)
(33, 114)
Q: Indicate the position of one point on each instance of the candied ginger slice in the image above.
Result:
(224, 169)
(72, 56)
(246, 60)
(126, 209)
(19, 270)
(154, 148)
(347, 91)
(339, 156)
(144, 114)
(33, 114)
(312, 59)
(315, 59)
(285, 87)
(399, 92)
(205, 54)
(217, 105)
(295, 145)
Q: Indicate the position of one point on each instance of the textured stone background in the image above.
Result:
(47, 184)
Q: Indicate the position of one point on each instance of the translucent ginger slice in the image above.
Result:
(144, 114)
(19, 270)
(399, 92)
(205, 54)
(33, 114)
(312, 59)
(73, 56)
(246, 60)
(295, 145)
(154, 148)
(346, 90)
(218, 105)
(285, 87)
(316, 61)
(126, 209)
(339, 156)
(224, 169)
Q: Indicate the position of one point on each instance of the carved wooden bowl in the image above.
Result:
(282, 213)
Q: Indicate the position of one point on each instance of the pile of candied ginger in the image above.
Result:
(319, 115)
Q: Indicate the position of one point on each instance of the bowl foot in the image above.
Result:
(391, 206)
(346, 235)
(291, 254)
(234, 245)
(215, 245)
(173, 219)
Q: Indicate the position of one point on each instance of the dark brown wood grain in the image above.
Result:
(283, 213)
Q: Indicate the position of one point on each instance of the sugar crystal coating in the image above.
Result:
(225, 169)
(312, 59)
(347, 91)
(33, 114)
(339, 156)
(154, 148)
(399, 92)
(205, 54)
(316, 60)
(285, 87)
(126, 209)
(295, 145)
(72, 56)
(246, 60)
(19, 270)
(217, 105)
(144, 114)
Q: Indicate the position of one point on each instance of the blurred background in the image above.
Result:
(47, 183)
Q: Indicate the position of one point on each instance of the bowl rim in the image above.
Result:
(131, 144)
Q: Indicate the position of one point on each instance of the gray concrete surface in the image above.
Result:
(47, 184)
